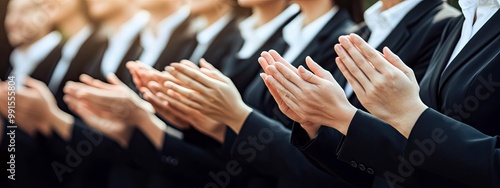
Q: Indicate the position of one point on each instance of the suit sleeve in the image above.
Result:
(323, 150)
(265, 145)
(176, 159)
(455, 150)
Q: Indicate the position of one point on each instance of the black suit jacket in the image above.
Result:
(468, 89)
(133, 53)
(33, 161)
(90, 53)
(274, 155)
(416, 37)
(222, 46)
(320, 49)
(5, 47)
(468, 80)
(243, 71)
(178, 43)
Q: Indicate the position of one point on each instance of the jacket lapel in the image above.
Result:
(44, 70)
(481, 39)
(178, 42)
(401, 32)
(429, 83)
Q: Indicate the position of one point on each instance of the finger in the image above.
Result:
(399, 64)
(187, 96)
(162, 107)
(361, 62)
(209, 70)
(113, 79)
(263, 64)
(317, 70)
(156, 87)
(40, 87)
(190, 64)
(188, 82)
(277, 57)
(286, 97)
(181, 109)
(93, 82)
(369, 53)
(288, 74)
(351, 66)
(356, 86)
(191, 75)
(291, 88)
(272, 89)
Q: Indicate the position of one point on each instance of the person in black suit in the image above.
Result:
(405, 26)
(6, 48)
(122, 21)
(226, 105)
(216, 26)
(36, 48)
(260, 32)
(407, 109)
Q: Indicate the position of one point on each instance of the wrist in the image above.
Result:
(406, 119)
(237, 120)
(62, 122)
(343, 118)
(311, 129)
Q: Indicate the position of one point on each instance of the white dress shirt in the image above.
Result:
(298, 36)
(256, 37)
(207, 36)
(155, 44)
(381, 23)
(24, 62)
(483, 10)
(69, 51)
(120, 43)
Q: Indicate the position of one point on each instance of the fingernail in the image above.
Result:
(302, 69)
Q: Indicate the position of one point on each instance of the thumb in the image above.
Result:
(37, 85)
(398, 63)
(318, 70)
(112, 79)
(210, 70)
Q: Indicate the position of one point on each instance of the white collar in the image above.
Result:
(390, 18)
(295, 32)
(73, 45)
(171, 22)
(132, 27)
(248, 30)
(207, 35)
(466, 4)
(37, 51)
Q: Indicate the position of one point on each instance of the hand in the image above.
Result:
(270, 58)
(383, 83)
(113, 127)
(208, 91)
(143, 74)
(173, 109)
(37, 111)
(305, 93)
(115, 98)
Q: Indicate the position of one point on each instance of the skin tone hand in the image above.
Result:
(208, 91)
(115, 98)
(170, 108)
(116, 105)
(267, 59)
(114, 128)
(383, 83)
(37, 111)
(305, 92)
(143, 74)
